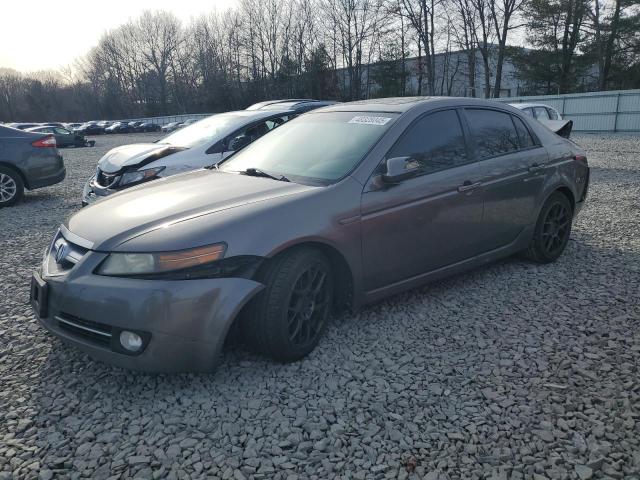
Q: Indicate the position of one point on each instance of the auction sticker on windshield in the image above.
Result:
(368, 120)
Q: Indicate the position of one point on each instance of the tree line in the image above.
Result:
(334, 49)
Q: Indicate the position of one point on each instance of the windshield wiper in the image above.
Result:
(256, 172)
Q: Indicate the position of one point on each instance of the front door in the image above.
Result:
(428, 221)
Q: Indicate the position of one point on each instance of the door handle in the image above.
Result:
(468, 186)
(536, 168)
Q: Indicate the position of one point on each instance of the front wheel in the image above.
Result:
(552, 231)
(287, 319)
(11, 187)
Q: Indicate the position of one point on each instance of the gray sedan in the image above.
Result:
(27, 160)
(334, 210)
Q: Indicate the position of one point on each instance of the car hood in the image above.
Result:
(135, 155)
(161, 203)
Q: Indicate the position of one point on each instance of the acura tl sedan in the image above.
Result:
(336, 209)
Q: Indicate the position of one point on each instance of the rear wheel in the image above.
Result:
(287, 319)
(552, 230)
(11, 187)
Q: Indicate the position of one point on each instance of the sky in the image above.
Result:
(38, 35)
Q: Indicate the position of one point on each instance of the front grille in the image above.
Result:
(107, 180)
(63, 255)
(93, 331)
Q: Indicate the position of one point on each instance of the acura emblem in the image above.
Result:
(62, 251)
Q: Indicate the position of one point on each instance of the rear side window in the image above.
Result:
(436, 141)
(541, 113)
(529, 111)
(493, 132)
(526, 140)
(553, 115)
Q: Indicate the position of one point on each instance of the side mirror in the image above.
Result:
(239, 142)
(400, 168)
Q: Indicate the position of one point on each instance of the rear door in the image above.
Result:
(428, 221)
(512, 170)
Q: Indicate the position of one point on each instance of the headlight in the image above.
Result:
(125, 264)
(140, 175)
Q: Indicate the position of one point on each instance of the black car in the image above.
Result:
(148, 127)
(90, 128)
(118, 127)
(64, 137)
(298, 105)
(27, 160)
(22, 126)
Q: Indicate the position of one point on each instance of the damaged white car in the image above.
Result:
(198, 145)
(548, 116)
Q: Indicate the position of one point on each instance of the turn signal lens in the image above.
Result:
(190, 258)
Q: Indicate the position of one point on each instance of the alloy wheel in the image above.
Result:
(308, 306)
(555, 229)
(8, 188)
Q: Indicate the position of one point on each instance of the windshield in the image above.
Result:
(317, 147)
(209, 129)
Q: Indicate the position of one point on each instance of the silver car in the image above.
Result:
(334, 210)
(548, 116)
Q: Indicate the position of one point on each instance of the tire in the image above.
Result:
(552, 231)
(287, 319)
(11, 187)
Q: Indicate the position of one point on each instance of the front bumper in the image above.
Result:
(184, 322)
(91, 194)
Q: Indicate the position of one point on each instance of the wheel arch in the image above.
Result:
(343, 273)
(13, 168)
(566, 191)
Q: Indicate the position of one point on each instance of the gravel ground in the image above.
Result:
(511, 371)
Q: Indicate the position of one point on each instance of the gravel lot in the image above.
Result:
(512, 371)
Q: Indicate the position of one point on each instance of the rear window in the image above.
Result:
(493, 131)
(526, 140)
(541, 113)
(553, 115)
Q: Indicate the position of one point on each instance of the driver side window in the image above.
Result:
(435, 141)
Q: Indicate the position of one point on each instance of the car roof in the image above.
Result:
(520, 106)
(258, 114)
(259, 105)
(404, 104)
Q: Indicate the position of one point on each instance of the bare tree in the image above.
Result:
(503, 13)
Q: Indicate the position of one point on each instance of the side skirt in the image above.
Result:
(519, 244)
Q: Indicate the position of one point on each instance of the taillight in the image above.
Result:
(46, 142)
(580, 158)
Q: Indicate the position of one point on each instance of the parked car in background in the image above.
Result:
(72, 126)
(64, 137)
(135, 125)
(201, 144)
(189, 121)
(22, 126)
(548, 116)
(27, 160)
(336, 209)
(170, 127)
(53, 124)
(297, 105)
(149, 127)
(118, 127)
(90, 128)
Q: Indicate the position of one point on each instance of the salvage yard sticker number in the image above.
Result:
(367, 120)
